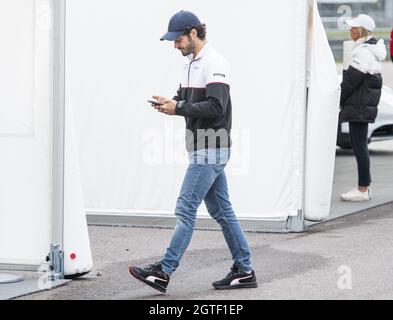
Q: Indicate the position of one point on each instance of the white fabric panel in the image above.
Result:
(77, 252)
(25, 162)
(133, 159)
(322, 122)
(17, 67)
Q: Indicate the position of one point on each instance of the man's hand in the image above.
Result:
(168, 107)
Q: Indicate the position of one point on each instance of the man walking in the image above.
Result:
(203, 99)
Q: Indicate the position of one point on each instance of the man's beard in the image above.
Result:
(189, 49)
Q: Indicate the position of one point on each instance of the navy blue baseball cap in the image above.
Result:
(179, 23)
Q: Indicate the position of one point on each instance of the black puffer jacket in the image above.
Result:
(362, 83)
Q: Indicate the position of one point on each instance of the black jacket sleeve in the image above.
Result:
(217, 98)
(352, 79)
(178, 95)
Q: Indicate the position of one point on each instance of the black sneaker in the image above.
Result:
(152, 275)
(236, 279)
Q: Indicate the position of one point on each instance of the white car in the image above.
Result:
(382, 129)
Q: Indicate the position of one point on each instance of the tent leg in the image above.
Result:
(296, 223)
(56, 260)
(56, 256)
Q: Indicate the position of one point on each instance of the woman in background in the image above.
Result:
(360, 96)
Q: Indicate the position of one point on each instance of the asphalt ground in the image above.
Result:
(349, 258)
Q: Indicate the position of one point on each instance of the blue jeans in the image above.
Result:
(205, 180)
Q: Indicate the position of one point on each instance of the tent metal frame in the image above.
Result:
(297, 223)
(59, 43)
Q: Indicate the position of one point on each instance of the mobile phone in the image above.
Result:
(155, 103)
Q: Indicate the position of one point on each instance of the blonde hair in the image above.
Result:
(364, 33)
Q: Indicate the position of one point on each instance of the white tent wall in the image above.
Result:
(132, 158)
(77, 253)
(25, 131)
(41, 199)
(70, 225)
(322, 122)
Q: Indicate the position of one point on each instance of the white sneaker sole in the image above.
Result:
(355, 199)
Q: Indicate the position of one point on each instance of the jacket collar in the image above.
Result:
(205, 49)
(362, 40)
(372, 41)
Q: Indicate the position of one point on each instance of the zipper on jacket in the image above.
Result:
(189, 72)
(188, 78)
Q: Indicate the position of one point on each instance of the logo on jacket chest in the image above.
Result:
(193, 76)
(187, 67)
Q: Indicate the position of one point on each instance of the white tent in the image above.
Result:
(133, 160)
(107, 61)
(25, 135)
(41, 202)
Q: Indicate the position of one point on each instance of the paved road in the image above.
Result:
(297, 266)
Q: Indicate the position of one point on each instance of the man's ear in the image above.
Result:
(194, 33)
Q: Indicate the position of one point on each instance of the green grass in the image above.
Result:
(344, 34)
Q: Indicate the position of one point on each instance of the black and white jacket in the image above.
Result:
(362, 82)
(204, 100)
